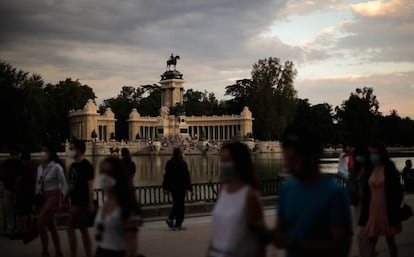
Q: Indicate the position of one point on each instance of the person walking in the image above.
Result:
(343, 163)
(80, 193)
(314, 216)
(177, 181)
(238, 212)
(129, 164)
(10, 170)
(408, 176)
(51, 184)
(118, 220)
(382, 197)
(361, 167)
(25, 190)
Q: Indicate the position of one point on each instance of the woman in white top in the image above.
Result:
(51, 184)
(238, 209)
(118, 220)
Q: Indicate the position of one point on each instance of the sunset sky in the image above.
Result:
(337, 45)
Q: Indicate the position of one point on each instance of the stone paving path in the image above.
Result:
(156, 240)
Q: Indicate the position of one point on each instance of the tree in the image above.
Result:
(318, 118)
(357, 116)
(64, 96)
(269, 94)
(149, 105)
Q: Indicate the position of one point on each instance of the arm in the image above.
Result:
(37, 180)
(62, 179)
(187, 173)
(91, 189)
(255, 220)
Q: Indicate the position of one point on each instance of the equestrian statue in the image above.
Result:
(172, 62)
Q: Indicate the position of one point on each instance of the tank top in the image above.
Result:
(230, 234)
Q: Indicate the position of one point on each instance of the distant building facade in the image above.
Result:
(84, 122)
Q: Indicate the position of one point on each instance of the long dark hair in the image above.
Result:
(382, 152)
(123, 190)
(53, 155)
(243, 163)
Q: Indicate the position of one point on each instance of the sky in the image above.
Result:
(336, 45)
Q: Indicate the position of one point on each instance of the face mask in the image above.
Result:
(71, 153)
(43, 156)
(359, 158)
(374, 158)
(227, 171)
(106, 182)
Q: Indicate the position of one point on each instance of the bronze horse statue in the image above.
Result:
(172, 61)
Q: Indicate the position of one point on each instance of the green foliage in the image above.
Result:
(357, 116)
(269, 94)
(199, 103)
(35, 112)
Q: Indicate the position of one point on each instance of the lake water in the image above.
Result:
(150, 169)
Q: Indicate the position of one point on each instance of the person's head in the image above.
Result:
(236, 164)
(48, 154)
(301, 151)
(77, 149)
(361, 155)
(114, 179)
(125, 153)
(378, 154)
(177, 152)
(408, 164)
(346, 148)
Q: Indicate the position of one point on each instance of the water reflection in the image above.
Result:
(150, 169)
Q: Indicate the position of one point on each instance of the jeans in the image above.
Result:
(10, 209)
(177, 211)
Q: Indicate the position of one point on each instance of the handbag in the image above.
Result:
(405, 212)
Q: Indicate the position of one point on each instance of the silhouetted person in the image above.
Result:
(313, 212)
(129, 164)
(25, 189)
(238, 212)
(10, 170)
(177, 181)
(81, 176)
(408, 175)
(382, 197)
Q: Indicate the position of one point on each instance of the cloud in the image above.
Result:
(380, 31)
(110, 43)
(394, 89)
(303, 7)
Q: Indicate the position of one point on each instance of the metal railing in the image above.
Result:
(202, 192)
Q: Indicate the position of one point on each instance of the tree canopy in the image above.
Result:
(37, 112)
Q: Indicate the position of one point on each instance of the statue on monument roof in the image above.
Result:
(172, 61)
(172, 73)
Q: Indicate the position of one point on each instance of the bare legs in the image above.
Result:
(74, 222)
(372, 243)
(392, 246)
(47, 221)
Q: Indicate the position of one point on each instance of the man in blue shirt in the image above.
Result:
(314, 215)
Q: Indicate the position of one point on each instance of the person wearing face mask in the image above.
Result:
(238, 211)
(381, 199)
(314, 217)
(118, 220)
(50, 185)
(81, 175)
(177, 181)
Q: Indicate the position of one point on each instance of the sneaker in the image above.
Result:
(170, 223)
(178, 228)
